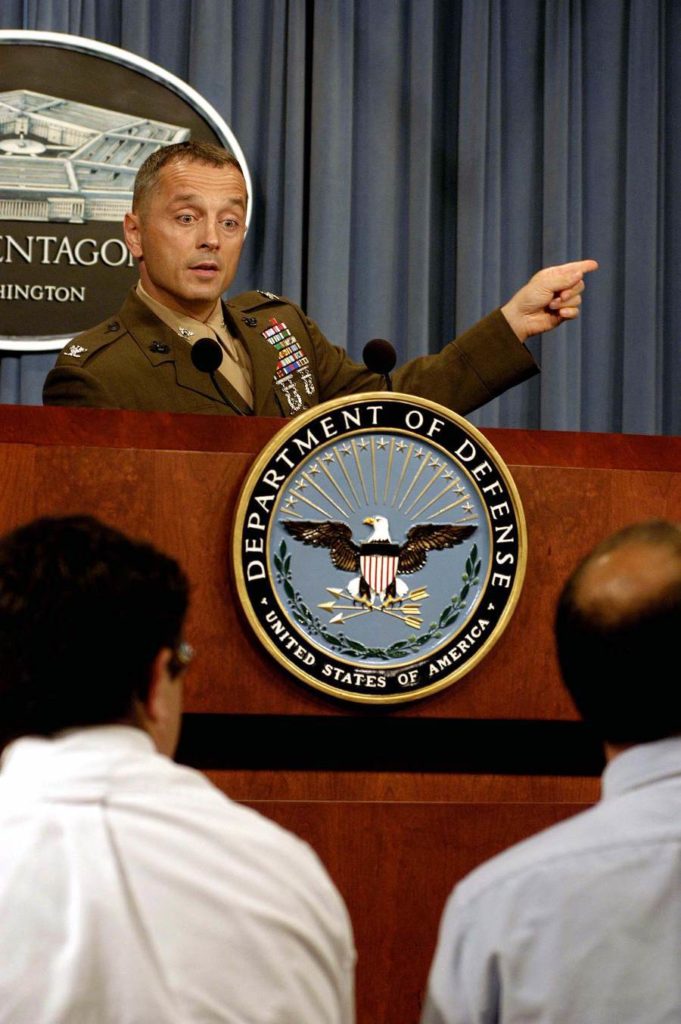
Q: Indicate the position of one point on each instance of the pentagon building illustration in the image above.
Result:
(71, 162)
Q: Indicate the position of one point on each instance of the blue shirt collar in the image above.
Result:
(642, 765)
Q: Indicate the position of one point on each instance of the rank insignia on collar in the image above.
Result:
(75, 351)
(184, 332)
(269, 295)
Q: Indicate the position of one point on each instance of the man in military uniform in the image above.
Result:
(186, 230)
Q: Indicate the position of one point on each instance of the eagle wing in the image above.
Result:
(426, 537)
(335, 536)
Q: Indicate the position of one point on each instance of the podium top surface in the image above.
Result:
(113, 428)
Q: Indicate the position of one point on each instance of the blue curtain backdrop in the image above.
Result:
(414, 163)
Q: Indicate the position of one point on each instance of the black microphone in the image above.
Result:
(207, 357)
(380, 357)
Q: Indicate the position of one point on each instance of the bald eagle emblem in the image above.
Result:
(379, 561)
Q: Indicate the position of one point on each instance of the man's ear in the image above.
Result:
(133, 237)
(154, 705)
(161, 712)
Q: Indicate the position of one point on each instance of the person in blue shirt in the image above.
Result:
(582, 923)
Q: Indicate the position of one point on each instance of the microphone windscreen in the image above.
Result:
(379, 356)
(206, 355)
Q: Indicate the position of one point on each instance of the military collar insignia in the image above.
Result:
(186, 332)
(379, 548)
(269, 295)
(75, 351)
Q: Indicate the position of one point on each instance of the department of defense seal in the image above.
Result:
(379, 547)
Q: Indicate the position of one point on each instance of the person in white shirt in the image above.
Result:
(131, 890)
(582, 923)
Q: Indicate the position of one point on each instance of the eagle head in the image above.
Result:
(381, 529)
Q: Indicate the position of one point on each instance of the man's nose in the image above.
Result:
(210, 238)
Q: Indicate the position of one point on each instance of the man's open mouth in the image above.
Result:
(207, 267)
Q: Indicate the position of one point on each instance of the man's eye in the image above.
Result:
(230, 225)
(185, 218)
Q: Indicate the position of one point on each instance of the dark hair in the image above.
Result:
(200, 152)
(84, 611)
(615, 655)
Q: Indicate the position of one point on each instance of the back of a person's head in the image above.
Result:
(617, 623)
(84, 611)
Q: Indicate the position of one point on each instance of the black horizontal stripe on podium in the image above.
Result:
(373, 743)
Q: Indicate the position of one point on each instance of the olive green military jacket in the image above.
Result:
(134, 361)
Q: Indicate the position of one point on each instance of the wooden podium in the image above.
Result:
(399, 802)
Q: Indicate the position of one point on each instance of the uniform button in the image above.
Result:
(113, 326)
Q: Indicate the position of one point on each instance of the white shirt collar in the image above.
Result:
(28, 749)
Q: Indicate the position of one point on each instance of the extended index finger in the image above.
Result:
(569, 273)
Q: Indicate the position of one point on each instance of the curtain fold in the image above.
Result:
(415, 161)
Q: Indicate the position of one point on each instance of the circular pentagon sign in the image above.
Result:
(78, 118)
(379, 547)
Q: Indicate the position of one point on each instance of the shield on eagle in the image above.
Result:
(378, 565)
